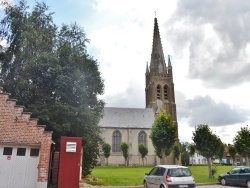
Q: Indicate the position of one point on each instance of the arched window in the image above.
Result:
(158, 92)
(165, 92)
(142, 138)
(116, 141)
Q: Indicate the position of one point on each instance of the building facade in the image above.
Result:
(132, 125)
(24, 147)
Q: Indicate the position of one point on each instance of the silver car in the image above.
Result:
(169, 176)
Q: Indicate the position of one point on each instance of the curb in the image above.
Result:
(85, 185)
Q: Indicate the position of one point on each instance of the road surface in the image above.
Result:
(216, 186)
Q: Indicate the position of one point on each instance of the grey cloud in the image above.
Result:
(217, 66)
(182, 105)
(133, 97)
(204, 110)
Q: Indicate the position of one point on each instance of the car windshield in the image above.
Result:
(234, 171)
(179, 172)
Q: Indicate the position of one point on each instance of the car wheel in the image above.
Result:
(248, 183)
(223, 181)
(145, 184)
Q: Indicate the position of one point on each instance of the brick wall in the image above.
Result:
(17, 128)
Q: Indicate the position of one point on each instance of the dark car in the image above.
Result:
(239, 175)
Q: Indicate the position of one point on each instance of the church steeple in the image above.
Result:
(170, 72)
(159, 88)
(157, 63)
(147, 70)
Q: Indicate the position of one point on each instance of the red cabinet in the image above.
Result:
(70, 162)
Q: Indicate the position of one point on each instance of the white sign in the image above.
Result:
(70, 146)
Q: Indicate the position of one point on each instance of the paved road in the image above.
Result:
(83, 185)
(215, 186)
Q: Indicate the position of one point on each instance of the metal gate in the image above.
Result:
(18, 166)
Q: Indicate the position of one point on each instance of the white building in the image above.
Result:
(197, 159)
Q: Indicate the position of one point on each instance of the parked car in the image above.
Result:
(169, 176)
(239, 175)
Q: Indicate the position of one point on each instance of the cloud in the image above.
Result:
(205, 110)
(217, 38)
(129, 98)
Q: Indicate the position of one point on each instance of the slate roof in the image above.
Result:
(127, 118)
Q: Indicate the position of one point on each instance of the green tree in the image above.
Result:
(158, 152)
(207, 143)
(143, 150)
(163, 134)
(192, 150)
(184, 153)
(124, 148)
(220, 153)
(106, 150)
(232, 152)
(242, 143)
(47, 69)
(176, 149)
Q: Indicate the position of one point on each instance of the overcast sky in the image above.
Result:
(208, 41)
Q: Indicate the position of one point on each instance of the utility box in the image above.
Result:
(70, 162)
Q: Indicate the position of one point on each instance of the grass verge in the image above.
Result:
(133, 176)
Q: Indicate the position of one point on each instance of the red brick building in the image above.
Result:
(24, 147)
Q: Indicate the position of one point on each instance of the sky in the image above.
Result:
(208, 42)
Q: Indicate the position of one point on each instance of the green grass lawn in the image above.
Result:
(133, 176)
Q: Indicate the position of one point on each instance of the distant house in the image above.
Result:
(239, 160)
(197, 159)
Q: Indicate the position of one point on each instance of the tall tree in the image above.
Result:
(184, 153)
(49, 71)
(192, 151)
(163, 134)
(124, 148)
(106, 150)
(232, 152)
(242, 142)
(220, 153)
(176, 149)
(207, 143)
(143, 150)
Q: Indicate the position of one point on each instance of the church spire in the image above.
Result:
(147, 70)
(157, 63)
(170, 72)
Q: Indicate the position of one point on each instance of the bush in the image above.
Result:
(214, 170)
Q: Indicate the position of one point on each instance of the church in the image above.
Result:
(132, 125)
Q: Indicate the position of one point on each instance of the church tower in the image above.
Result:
(159, 88)
(159, 79)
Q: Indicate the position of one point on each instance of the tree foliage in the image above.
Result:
(192, 149)
(242, 143)
(106, 150)
(124, 148)
(176, 149)
(221, 151)
(47, 69)
(207, 143)
(163, 134)
(232, 152)
(184, 153)
(143, 150)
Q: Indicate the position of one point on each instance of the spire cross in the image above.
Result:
(155, 13)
